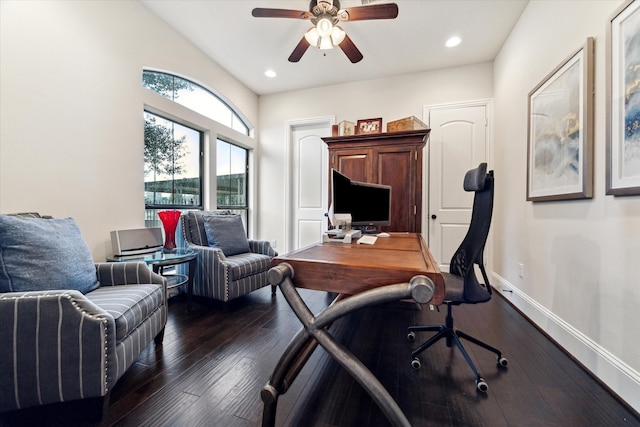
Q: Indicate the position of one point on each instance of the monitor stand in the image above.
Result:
(341, 236)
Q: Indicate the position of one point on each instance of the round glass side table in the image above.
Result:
(158, 260)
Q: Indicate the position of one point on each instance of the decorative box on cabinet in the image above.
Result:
(393, 159)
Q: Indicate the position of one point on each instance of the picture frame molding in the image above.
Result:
(586, 123)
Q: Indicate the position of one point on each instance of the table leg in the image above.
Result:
(420, 288)
(192, 270)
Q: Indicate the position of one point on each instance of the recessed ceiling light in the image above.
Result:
(270, 73)
(453, 41)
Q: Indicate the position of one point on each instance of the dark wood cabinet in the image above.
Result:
(393, 159)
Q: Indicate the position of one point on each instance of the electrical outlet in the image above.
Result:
(273, 244)
(521, 270)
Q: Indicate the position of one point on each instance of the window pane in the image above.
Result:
(201, 101)
(194, 97)
(238, 124)
(231, 175)
(171, 163)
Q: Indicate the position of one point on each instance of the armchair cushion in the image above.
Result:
(194, 226)
(44, 254)
(130, 305)
(247, 264)
(227, 233)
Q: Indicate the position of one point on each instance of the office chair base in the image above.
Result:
(453, 336)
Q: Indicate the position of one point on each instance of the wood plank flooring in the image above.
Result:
(213, 363)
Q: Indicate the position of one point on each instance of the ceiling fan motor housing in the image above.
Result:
(323, 6)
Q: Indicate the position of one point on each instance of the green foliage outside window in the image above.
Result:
(162, 153)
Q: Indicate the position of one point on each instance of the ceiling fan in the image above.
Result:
(325, 15)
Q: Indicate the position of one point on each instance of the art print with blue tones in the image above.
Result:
(631, 145)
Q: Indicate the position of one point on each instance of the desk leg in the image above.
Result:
(420, 289)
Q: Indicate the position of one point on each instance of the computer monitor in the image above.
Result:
(369, 204)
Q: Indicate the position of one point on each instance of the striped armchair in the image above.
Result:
(62, 345)
(219, 276)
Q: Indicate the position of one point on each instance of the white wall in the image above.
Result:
(581, 258)
(71, 124)
(390, 98)
(71, 134)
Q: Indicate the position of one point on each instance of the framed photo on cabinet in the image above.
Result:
(623, 101)
(367, 126)
(560, 131)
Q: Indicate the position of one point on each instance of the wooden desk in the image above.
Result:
(394, 268)
(352, 268)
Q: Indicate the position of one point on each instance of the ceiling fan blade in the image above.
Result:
(261, 12)
(374, 11)
(299, 50)
(350, 50)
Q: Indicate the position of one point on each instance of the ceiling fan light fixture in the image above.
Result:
(324, 26)
(325, 35)
(312, 36)
(337, 35)
(325, 43)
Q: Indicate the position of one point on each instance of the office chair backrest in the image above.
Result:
(471, 249)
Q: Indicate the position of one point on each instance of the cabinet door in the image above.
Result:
(356, 163)
(400, 167)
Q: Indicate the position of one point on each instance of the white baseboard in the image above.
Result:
(617, 375)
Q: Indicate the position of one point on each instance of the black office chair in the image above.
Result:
(462, 286)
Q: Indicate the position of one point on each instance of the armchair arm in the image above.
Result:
(209, 278)
(126, 273)
(56, 346)
(262, 247)
(208, 253)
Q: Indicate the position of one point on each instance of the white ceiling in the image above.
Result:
(246, 46)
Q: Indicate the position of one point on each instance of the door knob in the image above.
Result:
(434, 216)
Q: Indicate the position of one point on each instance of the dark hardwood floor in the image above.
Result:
(212, 365)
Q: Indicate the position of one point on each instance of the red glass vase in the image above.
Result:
(169, 223)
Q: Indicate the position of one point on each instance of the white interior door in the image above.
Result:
(309, 192)
(457, 143)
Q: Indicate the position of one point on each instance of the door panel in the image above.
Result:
(458, 142)
(309, 186)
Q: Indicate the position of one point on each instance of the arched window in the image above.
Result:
(194, 97)
(174, 152)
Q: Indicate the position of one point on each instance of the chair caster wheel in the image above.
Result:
(411, 336)
(502, 361)
(415, 363)
(481, 385)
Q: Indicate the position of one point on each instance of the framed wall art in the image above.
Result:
(623, 101)
(367, 126)
(560, 131)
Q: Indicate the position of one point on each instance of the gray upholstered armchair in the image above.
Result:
(63, 343)
(229, 265)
